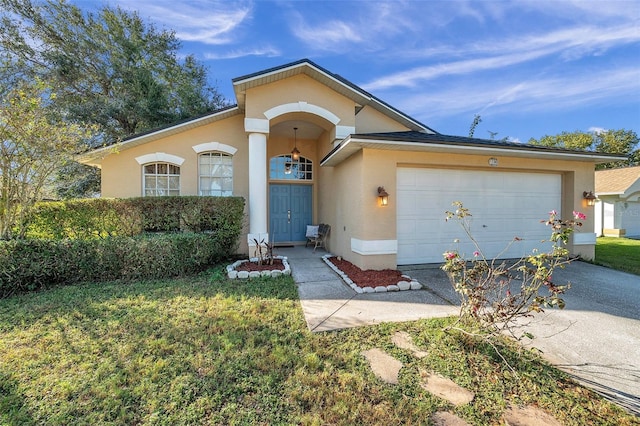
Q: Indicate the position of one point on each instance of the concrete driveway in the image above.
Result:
(596, 338)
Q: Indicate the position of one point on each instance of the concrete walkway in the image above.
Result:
(596, 338)
(329, 304)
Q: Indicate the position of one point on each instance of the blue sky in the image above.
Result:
(529, 68)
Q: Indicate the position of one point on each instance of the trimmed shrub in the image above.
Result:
(105, 239)
(102, 218)
(27, 265)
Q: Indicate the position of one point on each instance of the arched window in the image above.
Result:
(161, 179)
(284, 167)
(215, 174)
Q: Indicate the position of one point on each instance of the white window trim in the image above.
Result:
(302, 106)
(160, 157)
(214, 146)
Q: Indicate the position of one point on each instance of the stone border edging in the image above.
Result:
(245, 275)
(401, 286)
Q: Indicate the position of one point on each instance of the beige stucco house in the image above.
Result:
(350, 144)
(617, 209)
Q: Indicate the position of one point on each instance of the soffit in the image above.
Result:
(351, 145)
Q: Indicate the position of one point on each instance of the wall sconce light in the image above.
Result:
(383, 196)
(295, 154)
(589, 198)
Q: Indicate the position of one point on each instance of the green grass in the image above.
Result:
(205, 350)
(622, 254)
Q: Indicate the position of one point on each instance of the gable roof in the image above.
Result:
(617, 181)
(418, 141)
(240, 84)
(94, 156)
(334, 81)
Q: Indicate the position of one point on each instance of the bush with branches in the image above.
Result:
(495, 294)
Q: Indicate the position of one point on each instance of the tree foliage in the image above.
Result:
(33, 146)
(621, 141)
(75, 180)
(109, 68)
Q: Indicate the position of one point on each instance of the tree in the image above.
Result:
(476, 120)
(621, 141)
(75, 180)
(35, 142)
(109, 68)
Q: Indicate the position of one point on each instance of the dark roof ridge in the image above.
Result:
(163, 127)
(413, 136)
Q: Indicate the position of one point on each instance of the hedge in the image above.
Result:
(27, 265)
(102, 218)
(120, 239)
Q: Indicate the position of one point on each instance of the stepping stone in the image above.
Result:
(445, 388)
(384, 366)
(529, 416)
(403, 340)
(444, 418)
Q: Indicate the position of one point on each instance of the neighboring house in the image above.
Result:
(618, 205)
(351, 143)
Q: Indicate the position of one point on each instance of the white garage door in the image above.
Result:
(504, 205)
(631, 218)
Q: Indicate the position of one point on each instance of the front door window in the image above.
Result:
(283, 167)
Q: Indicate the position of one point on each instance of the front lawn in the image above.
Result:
(618, 253)
(205, 350)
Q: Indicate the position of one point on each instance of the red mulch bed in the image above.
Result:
(370, 277)
(253, 266)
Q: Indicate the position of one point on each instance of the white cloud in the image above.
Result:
(327, 35)
(535, 95)
(581, 9)
(571, 44)
(369, 26)
(268, 52)
(415, 76)
(597, 130)
(205, 21)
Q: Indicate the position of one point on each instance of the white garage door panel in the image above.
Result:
(631, 217)
(504, 205)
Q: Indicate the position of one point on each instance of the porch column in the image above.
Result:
(257, 130)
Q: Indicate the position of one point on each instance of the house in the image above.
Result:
(617, 209)
(350, 144)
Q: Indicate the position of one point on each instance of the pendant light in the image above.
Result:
(295, 154)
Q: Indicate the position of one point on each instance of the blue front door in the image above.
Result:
(290, 212)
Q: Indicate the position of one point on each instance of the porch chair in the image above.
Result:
(319, 239)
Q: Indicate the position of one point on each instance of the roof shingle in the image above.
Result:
(616, 181)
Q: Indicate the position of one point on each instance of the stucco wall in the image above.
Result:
(378, 168)
(122, 175)
(341, 203)
(300, 88)
(369, 120)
